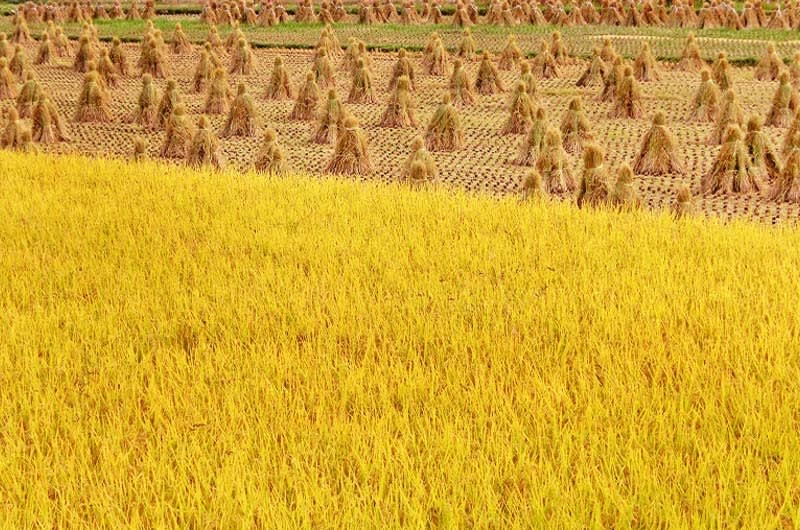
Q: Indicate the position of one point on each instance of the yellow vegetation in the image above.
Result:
(211, 350)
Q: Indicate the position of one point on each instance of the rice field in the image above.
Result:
(213, 349)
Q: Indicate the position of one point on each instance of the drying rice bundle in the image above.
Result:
(28, 95)
(532, 185)
(218, 94)
(533, 141)
(403, 67)
(305, 106)
(511, 54)
(526, 78)
(21, 33)
(270, 157)
(241, 119)
(400, 110)
(233, 38)
(133, 12)
(731, 171)
(607, 52)
(575, 127)
(46, 123)
(179, 132)
(705, 104)
(351, 156)
(784, 103)
(544, 64)
(83, 56)
(614, 76)
(730, 113)
(26, 144)
(595, 71)
(241, 59)
(558, 49)
(684, 204)
(624, 195)
(520, 111)
(151, 60)
(170, 99)
(770, 65)
(764, 161)
(487, 81)
(434, 60)
(323, 69)
(329, 120)
(279, 86)
(659, 152)
(420, 155)
(11, 131)
(791, 134)
(204, 148)
(92, 101)
(444, 131)
(18, 63)
(787, 185)
(628, 100)
(180, 42)
(46, 50)
(460, 90)
(467, 47)
(553, 165)
(203, 73)
(107, 70)
(212, 39)
(722, 72)
(361, 90)
(690, 60)
(594, 189)
(118, 57)
(645, 67)
(146, 110)
(794, 70)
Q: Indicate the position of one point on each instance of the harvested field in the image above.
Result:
(483, 165)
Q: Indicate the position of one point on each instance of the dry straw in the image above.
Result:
(419, 155)
(595, 71)
(545, 64)
(787, 185)
(624, 195)
(628, 98)
(658, 154)
(241, 120)
(305, 106)
(92, 101)
(330, 120)
(731, 172)
(764, 160)
(178, 134)
(460, 86)
(280, 86)
(533, 141)
(553, 165)
(361, 90)
(444, 131)
(784, 103)
(403, 67)
(730, 113)
(575, 127)
(520, 111)
(691, 60)
(204, 148)
(594, 189)
(146, 111)
(47, 124)
(351, 156)
(705, 103)
(645, 67)
(770, 65)
(270, 157)
(487, 80)
(511, 54)
(400, 111)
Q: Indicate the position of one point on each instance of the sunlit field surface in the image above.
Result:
(218, 350)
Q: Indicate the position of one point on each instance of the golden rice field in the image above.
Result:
(217, 350)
